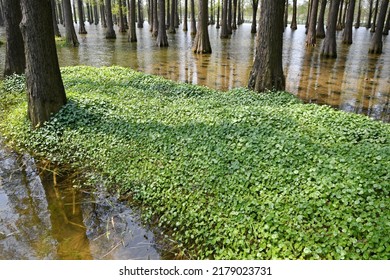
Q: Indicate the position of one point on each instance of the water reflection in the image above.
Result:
(356, 81)
(40, 219)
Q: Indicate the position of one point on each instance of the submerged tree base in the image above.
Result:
(229, 175)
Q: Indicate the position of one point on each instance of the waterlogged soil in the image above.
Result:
(47, 216)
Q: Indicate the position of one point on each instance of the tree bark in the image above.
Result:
(234, 24)
(55, 24)
(110, 32)
(15, 62)
(172, 18)
(46, 94)
(140, 21)
(376, 41)
(155, 19)
(132, 35)
(370, 14)
(60, 12)
(286, 14)
(387, 25)
(329, 48)
(103, 15)
(122, 28)
(347, 35)
(293, 25)
(218, 26)
(202, 41)
(185, 24)
(340, 15)
(267, 71)
(255, 6)
(358, 19)
(321, 20)
(162, 39)
(311, 34)
(224, 25)
(193, 22)
(373, 25)
(96, 12)
(70, 32)
(81, 18)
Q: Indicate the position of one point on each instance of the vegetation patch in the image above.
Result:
(229, 175)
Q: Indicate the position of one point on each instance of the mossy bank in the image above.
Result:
(228, 175)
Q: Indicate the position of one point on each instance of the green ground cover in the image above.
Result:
(227, 175)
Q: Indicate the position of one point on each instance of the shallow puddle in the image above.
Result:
(41, 221)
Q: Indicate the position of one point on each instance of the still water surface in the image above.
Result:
(355, 82)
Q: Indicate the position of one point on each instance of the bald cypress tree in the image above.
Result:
(202, 41)
(329, 48)
(376, 41)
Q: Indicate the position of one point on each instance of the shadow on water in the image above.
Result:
(46, 216)
(355, 82)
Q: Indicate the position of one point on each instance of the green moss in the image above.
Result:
(229, 175)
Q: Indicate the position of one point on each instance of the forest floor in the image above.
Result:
(227, 175)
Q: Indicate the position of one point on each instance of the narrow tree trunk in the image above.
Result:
(140, 22)
(329, 48)
(1, 14)
(122, 28)
(293, 25)
(155, 19)
(70, 32)
(373, 25)
(81, 18)
(308, 14)
(311, 34)
(345, 14)
(255, 6)
(229, 22)
(55, 24)
(103, 15)
(96, 13)
(46, 94)
(185, 24)
(60, 12)
(132, 36)
(376, 41)
(218, 15)
(110, 32)
(202, 41)
(193, 22)
(321, 20)
(340, 15)
(224, 25)
(370, 14)
(14, 51)
(74, 12)
(286, 14)
(172, 18)
(162, 39)
(176, 14)
(234, 24)
(347, 35)
(267, 71)
(359, 15)
(387, 25)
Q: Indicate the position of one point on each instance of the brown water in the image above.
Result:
(355, 82)
(40, 220)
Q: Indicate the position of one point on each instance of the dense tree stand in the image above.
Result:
(46, 94)
(14, 55)
(329, 48)
(162, 40)
(376, 41)
(202, 41)
(267, 71)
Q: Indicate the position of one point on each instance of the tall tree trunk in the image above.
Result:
(347, 35)
(321, 20)
(122, 28)
(267, 71)
(218, 14)
(162, 39)
(229, 22)
(150, 15)
(311, 34)
(110, 32)
(370, 14)
(193, 22)
(308, 14)
(359, 15)
(55, 24)
(185, 24)
(202, 41)
(60, 12)
(329, 48)
(46, 94)
(70, 32)
(103, 15)
(177, 14)
(81, 18)
(224, 25)
(387, 25)
(172, 18)
(1, 14)
(286, 14)
(132, 36)
(155, 19)
(96, 13)
(255, 6)
(234, 24)
(376, 41)
(74, 12)
(373, 25)
(340, 15)
(14, 51)
(293, 25)
(140, 21)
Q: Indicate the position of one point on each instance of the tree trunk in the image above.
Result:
(321, 20)
(193, 22)
(387, 25)
(60, 12)
(370, 14)
(103, 15)
(140, 22)
(70, 32)
(224, 25)
(286, 14)
(185, 25)
(14, 54)
(55, 24)
(267, 71)
(162, 40)
(110, 32)
(176, 14)
(132, 36)
(373, 25)
(202, 41)
(308, 14)
(96, 13)
(234, 24)
(172, 18)
(347, 35)
(218, 14)
(255, 6)
(358, 19)
(122, 28)
(329, 48)
(229, 21)
(340, 15)
(293, 25)
(81, 18)
(155, 19)
(46, 94)
(376, 41)
(311, 34)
